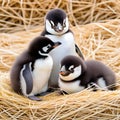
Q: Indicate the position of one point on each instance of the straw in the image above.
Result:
(96, 28)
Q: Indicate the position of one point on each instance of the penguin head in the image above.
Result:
(71, 68)
(42, 45)
(56, 22)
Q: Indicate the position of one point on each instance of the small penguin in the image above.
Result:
(76, 74)
(31, 71)
(57, 29)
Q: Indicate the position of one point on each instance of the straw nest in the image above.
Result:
(99, 41)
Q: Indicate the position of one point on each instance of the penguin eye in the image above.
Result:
(64, 23)
(71, 68)
(46, 48)
(49, 46)
(52, 24)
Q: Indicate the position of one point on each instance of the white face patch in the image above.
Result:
(45, 49)
(44, 54)
(75, 74)
(52, 31)
(63, 68)
(52, 23)
(71, 67)
(66, 24)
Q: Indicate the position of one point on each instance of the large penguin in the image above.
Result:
(31, 71)
(57, 29)
(76, 75)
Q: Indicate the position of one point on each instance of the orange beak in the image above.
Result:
(62, 73)
(56, 44)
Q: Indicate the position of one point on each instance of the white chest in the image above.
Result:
(70, 87)
(41, 74)
(66, 48)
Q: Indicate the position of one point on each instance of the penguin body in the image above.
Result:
(31, 71)
(76, 75)
(57, 29)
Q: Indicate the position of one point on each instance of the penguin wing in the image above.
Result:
(28, 78)
(79, 51)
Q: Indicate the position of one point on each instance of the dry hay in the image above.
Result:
(99, 41)
(24, 14)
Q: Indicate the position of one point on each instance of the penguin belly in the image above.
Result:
(66, 48)
(40, 74)
(71, 87)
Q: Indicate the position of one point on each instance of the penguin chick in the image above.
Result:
(57, 29)
(76, 75)
(31, 71)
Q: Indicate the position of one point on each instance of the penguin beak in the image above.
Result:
(64, 73)
(56, 44)
(59, 28)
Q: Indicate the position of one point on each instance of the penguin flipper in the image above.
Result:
(28, 78)
(79, 52)
(34, 98)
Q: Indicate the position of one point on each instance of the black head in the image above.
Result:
(42, 45)
(56, 21)
(72, 67)
(56, 16)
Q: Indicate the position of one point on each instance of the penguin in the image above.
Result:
(31, 71)
(57, 29)
(76, 74)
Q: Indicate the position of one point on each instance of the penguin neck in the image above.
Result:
(76, 79)
(43, 55)
(37, 55)
(48, 33)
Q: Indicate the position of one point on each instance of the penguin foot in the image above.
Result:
(34, 98)
(93, 86)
